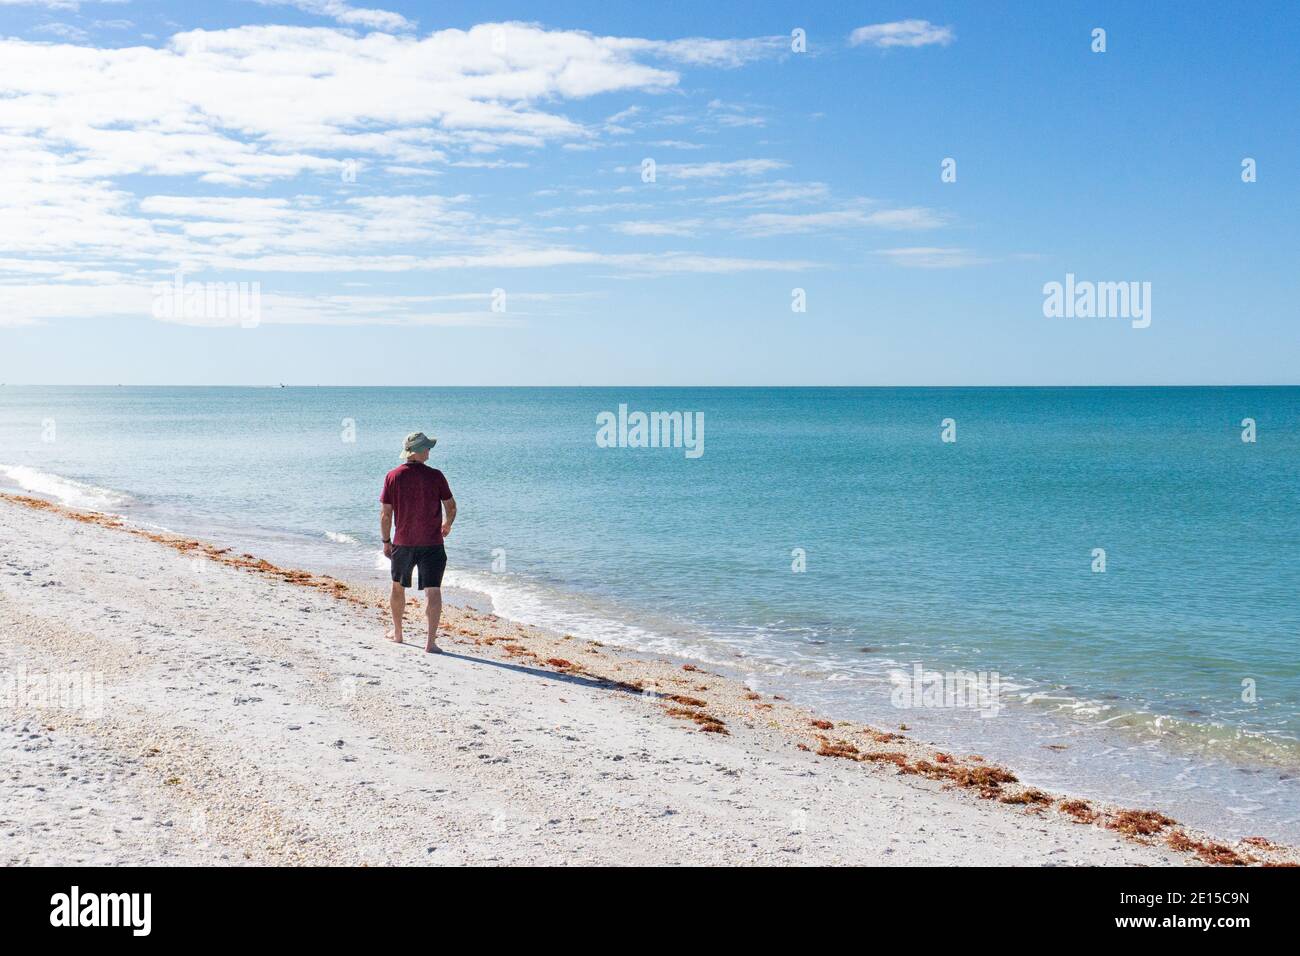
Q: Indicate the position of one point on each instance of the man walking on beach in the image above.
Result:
(414, 493)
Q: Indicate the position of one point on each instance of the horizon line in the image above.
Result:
(642, 385)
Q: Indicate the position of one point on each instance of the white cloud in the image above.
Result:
(680, 227)
(623, 115)
(117, 297)
(931, 257)
(590, 209)
(64, 31)
(47, 4)
(735, 120)
(253, 104)
(785, 224)
(523, 257)
(226, 154)
(347, 14)
(722, 113)
(108, 296)
(398, 170)
(863, 214)
(716, 170)
(772, 193)
(906, 33)
(698, 51)
(686, 262)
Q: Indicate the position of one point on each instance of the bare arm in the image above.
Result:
(449, 510)
(386, 529)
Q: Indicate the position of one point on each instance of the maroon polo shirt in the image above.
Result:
(416, 493)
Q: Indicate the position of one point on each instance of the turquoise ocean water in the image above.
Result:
(1170, 679)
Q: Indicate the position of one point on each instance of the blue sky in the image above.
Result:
(499, 146)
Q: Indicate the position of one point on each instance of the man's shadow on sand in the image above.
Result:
(576, 680)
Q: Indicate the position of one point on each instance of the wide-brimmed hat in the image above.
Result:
(416, 442)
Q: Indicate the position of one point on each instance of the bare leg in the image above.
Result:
(397, 601)
(433, 598)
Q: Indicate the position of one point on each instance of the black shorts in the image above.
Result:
(431, 562)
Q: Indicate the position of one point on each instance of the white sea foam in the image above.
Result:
(526, 603)
(66, 491)
(338, 537)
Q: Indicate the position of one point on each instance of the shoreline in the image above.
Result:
(665, 707)
(1095, 771)
(1108, 747)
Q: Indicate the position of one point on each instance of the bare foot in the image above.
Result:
(432, 647)
(394, 636)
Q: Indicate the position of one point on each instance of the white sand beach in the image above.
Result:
(254, 716)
